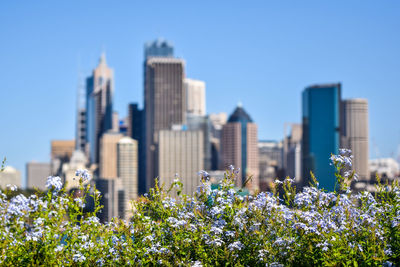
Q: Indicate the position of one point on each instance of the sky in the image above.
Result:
(260, 53)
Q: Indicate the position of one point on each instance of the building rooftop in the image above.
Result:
(239, 114)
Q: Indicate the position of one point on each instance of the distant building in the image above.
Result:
(180, 152)
(81, 130)
(158, 48)
(355, 134)
(99, 106)
(127, 167)
(115, 122)
(10, 176)
(108, 155)
(270, 154)
(217, 121)
(321, 132)
(112, 199)
(239, 147)
(292, 152)
(202, 123)
(196, 97)
(78, 161)
(165, 105)
(61, 152)
(62, 149)
(386, 168)
(37, 173)
(136, 130)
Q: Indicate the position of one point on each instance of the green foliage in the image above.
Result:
(216, 227)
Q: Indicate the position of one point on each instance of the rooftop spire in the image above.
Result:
(102, 58)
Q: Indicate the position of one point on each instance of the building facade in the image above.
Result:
(108, 155)
(355, 134)
(136, 130)
(239, 147)
(99, 106)
(112, 199)
(165, 105)
(181, 153)
(127, 166)
(270, 154)
(321, 132)
(196, 97)
(36, 174)
(292, 152)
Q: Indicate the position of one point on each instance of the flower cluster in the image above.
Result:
(213, 227)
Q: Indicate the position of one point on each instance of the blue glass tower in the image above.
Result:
(321, 132)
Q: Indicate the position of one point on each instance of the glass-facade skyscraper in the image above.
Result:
(321, 132)
(99, 99)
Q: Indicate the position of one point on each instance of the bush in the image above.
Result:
(214, 227)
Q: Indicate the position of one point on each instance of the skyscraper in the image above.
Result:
(321, 132)
(239, 147)
(292, 152)
(165, 105)
(136, 130)
(181, 152)
(99, 109)
(108, 155)
(196, 97)
(355, 134)
(127, 151)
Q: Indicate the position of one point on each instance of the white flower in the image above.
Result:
(12, 187)
(84, 174)
(54, 182)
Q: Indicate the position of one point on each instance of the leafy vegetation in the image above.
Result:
(216, 227)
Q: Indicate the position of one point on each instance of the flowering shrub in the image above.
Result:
(213, 227)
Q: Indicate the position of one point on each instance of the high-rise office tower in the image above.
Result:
(354, 130)
(136, 130)
(321, 132)
(165, 105)
(127, 166)
(181, 152)
(239, 147)
(108, 155)
(196, 97)
(99, 111)
(292, 152)
(36, 174)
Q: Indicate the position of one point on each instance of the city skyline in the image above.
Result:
(221, 94)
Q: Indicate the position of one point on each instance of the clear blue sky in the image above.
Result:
(262, 53)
